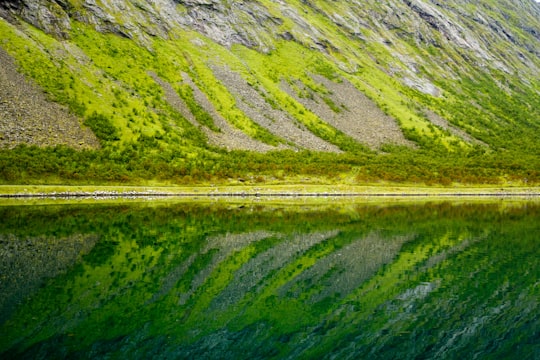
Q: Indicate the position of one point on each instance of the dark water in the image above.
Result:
(169, 280)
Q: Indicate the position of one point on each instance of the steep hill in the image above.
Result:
(199, 90)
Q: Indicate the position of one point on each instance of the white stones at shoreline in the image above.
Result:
(113, 194)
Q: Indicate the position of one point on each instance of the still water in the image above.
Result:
(318, 279)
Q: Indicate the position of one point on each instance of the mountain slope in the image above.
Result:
(405, 91)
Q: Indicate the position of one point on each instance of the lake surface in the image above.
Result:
(318, 279)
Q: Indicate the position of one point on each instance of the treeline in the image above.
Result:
(135, 164)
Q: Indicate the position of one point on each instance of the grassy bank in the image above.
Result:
(265, 190)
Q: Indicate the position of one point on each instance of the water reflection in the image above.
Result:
(191, 280)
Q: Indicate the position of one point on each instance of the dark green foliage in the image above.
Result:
(102, 126)
(136, 163)
(332, 105)
(502, 119)
(325, 69)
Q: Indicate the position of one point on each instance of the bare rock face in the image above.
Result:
(50, 16)
(230, 23)
(451, 30)
(256, 26)
(248, 23)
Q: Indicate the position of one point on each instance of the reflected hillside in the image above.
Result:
(186, 280)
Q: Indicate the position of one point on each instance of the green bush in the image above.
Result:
(102, 127)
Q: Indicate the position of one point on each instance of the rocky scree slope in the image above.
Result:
(27, 116)
(298, 74)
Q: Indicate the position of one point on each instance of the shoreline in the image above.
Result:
(283, 191)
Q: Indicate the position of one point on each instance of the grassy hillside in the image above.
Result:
(375, 105)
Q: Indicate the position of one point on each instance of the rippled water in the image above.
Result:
(291, 280)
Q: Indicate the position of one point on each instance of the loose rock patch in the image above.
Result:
(28, 117)
(358, 116)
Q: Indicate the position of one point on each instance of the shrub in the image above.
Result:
(102, 127)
